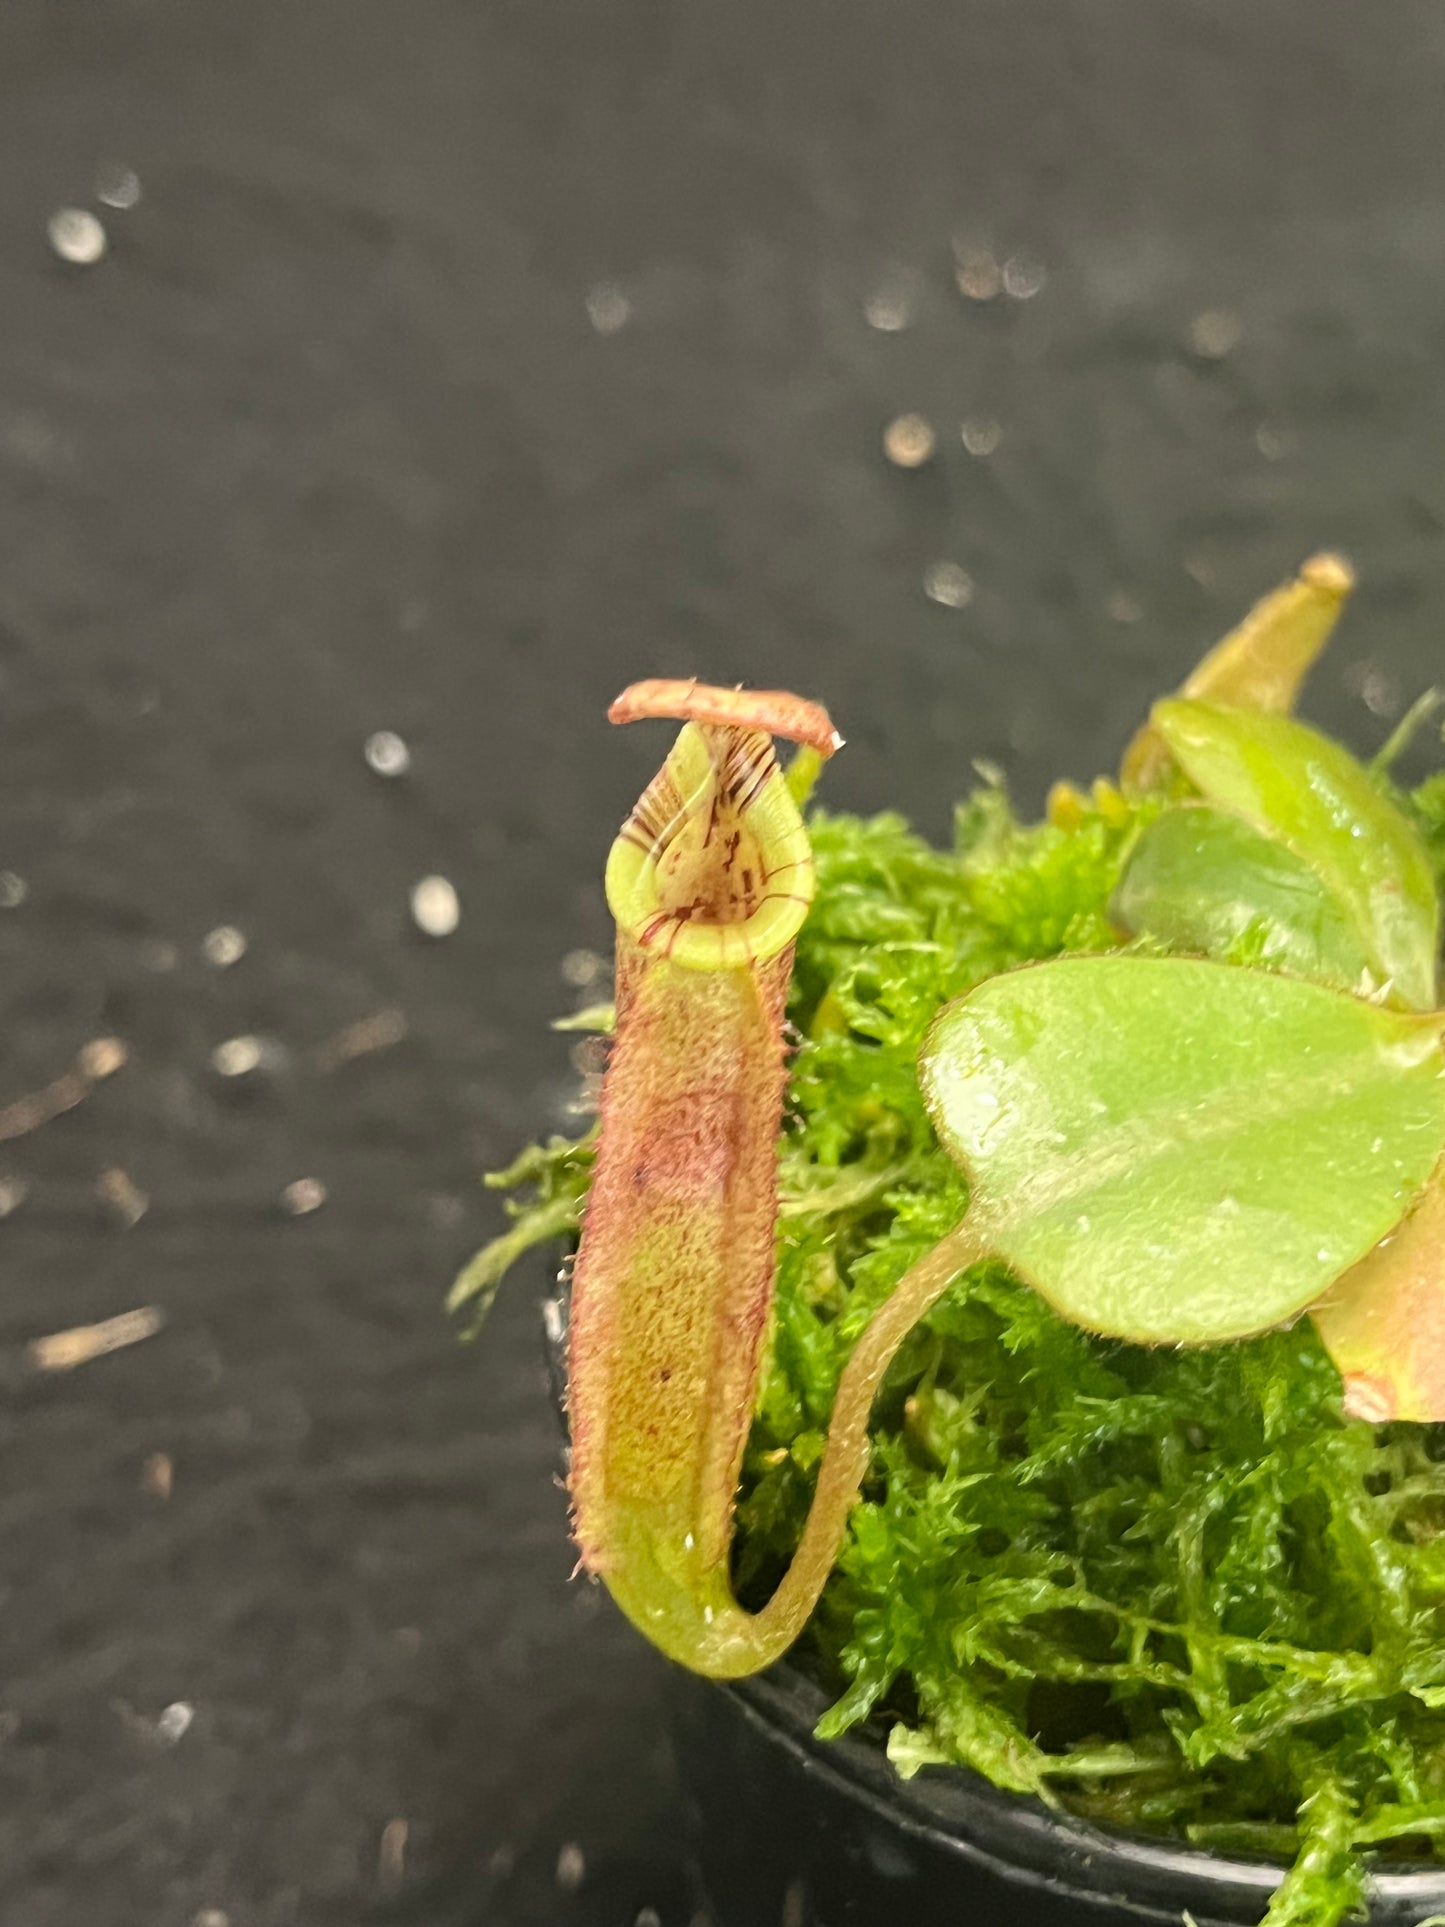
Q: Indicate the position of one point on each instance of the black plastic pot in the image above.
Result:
(797, 1832)
(791, 1831)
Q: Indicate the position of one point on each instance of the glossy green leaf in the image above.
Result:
(1204, 883)
(1179, 1151)
(1296, 786)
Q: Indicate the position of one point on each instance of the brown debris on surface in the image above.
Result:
(63, 1351)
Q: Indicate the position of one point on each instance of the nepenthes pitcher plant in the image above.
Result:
(1164, 1142)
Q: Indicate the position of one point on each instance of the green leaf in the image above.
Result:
(1294, 785)
(1178, 1151)
(1205, 883)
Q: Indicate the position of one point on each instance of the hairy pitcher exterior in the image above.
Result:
(709, 881)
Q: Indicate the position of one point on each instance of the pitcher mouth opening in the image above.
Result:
(716, 795)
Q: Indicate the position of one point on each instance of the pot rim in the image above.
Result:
(1019, 1837)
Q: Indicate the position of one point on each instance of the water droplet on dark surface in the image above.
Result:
(948, 584)
(223, 946)
(608, 308)
(174, 1722)
(116, 185)
(387, 753)
(581, 968)
(435, 907)
(1215, 333)
(1023, 277)
(890, 308)
(238, 1056)
(77, 236)
(909, 441)
(978, 275)
(1274, 441)
(981, 435)
(303, 1196)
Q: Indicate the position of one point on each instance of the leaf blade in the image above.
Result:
(1290, 783)
(1205, 883)
(1145, 1148)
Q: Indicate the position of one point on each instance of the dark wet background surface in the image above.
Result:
(329, 443)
